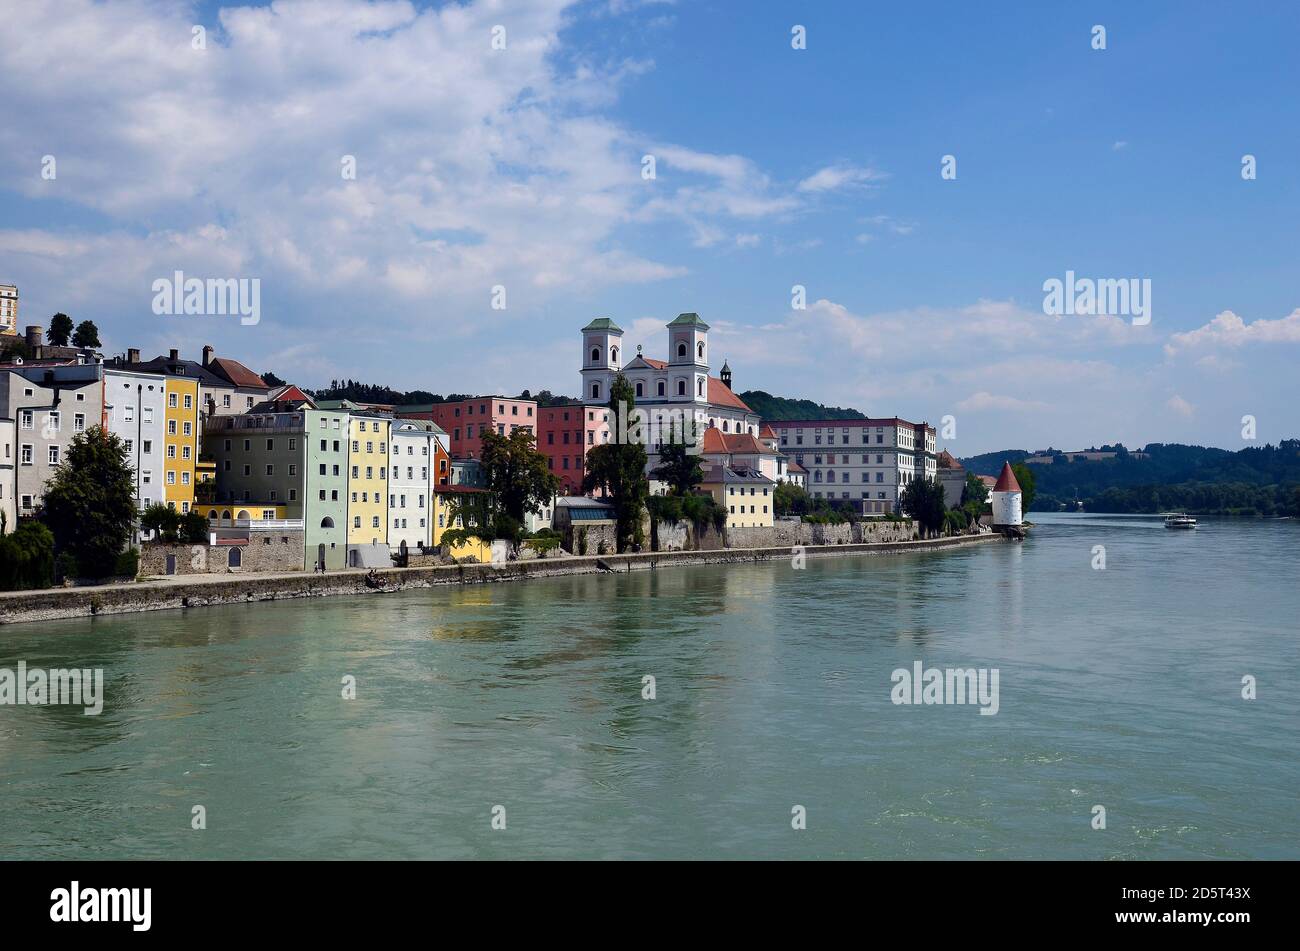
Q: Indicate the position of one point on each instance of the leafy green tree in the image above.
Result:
(161, 520)
(1025, 476)
(974, 490)
(517, 477)
(86, 335)
(27, 558)
(679, 468)
(60, 330)
(789, 499)
(89, 504)
(922, 499)
(618, 469)
(193, 527)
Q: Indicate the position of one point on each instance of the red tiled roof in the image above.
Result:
(1007, 480)
(766, 431)
(793, 466)
(721, 394)
(657, 364)
(715, 440)
(236, 372)
(946, 460)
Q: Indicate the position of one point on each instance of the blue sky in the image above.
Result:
(774, 167)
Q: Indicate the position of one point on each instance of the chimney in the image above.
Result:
(33, 335)
(173, 355)
(133, 355)
(207, 354)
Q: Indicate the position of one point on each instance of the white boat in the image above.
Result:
(1179, 520)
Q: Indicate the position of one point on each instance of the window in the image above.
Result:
(356, 521)
(185, 479)
(681, 351)
(171, 477)
(79, 423)
(54, 421)
(25, 419)
(171, 400)
(185, 452)
(189, 401)
(595, 392)
(188, 428)
(374, 521)
(225, 400)
(171, 452)
(681, 387)
(148, 414)
(54, 455)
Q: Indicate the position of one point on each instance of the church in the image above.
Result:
(677, 388)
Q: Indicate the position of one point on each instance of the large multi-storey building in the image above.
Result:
(412, 505)
(50, 405)
(368, 434)
(8, 510)
(465, 421)
(181, 442)
(863, 461)
(675, 394)
(9, 309)
(325, 487)
(564, 436)
(135, 411)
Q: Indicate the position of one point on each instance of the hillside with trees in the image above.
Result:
(1257, 481)
(770, 407)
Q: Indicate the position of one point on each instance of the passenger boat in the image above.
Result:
(1179, 520)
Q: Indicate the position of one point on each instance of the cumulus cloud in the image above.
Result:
(1228, 331)
(1181, 406)
(833, 177)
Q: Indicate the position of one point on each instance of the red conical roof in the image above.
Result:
(1007, 480)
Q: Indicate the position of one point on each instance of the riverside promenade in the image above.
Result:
(194, 591)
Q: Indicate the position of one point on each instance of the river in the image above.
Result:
(1119, 688)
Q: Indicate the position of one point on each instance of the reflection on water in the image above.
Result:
(1118, 687)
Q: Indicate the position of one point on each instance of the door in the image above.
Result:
(171, 564)
(320, 555)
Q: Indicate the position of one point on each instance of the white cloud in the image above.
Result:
(834, 177)
(1228, 331)
(1181, 406)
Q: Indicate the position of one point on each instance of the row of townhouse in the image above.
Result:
(156, 407)
(363, 483)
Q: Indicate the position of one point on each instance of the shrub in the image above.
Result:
(128, 563)
(27, 558)
(65, 566)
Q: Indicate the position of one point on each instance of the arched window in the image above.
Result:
(243, 513)
(595, 354)
(212, 514)
(613, 354)
(699, 386)
(726, 426)
(638, 389)
(699, 348)
(661, 387)
(226, 515)
(595, 391)
(681, 350)
(817, 475)
(327, 522)
(681, 387)
(234, 558)
(830, 475)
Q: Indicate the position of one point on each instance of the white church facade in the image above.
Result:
(669, 392)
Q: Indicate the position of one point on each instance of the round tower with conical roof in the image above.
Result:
(1006, 499)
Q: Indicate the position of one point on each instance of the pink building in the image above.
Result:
(465, 421)
(564, 434)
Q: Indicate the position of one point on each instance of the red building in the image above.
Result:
(564, 434)
(465, 421)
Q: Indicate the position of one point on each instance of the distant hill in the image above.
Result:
(1263, 480)
(779, 407)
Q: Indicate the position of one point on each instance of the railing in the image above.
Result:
(264, 524)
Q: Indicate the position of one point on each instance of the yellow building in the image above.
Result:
(180, 442)
(367, 479)
(746, 494)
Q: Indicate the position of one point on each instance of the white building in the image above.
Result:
(8, 310)
(135, 411)
(863, 461)
(411, 448)
(8, 485)
(676, 393)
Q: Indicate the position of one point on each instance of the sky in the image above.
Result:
(518, 176)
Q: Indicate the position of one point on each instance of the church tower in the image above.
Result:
(725, 374)
(602, 346)
(688, 358)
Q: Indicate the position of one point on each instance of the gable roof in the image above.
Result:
(1007, 480)
(289, 392)
(715, 440)
(946, 460)
(236, 373)
(721, 394)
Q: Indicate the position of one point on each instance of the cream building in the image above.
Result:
(8, 309)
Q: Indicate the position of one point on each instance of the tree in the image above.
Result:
(86, 335)
(27, 558)
(974, 491)
(60, 330)
(193, 527)
(922, 499)
(618, 468)
(679, 468)
(161, 520)
(89, 504)
(789, 499)
(517, 477)
(1025, 476)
